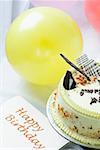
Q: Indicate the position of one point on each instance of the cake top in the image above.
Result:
(81, 92)
(86, 95)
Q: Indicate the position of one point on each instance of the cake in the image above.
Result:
(76, 105)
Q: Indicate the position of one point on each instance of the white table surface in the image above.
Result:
(12, 85)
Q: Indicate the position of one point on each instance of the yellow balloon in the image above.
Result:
(36, 38)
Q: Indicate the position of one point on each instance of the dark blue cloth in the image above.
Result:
(72, 146)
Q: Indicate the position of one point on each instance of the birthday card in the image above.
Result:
(24, 127)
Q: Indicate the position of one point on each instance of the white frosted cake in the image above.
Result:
(76, 110)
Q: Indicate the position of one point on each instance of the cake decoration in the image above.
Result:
(89, 66)
(69, 82)
(94, 100)
(80, 79)
(74, 66)
(95, 94)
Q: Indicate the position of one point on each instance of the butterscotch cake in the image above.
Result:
(76, 105)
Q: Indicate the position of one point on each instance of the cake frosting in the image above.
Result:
(84, 95)
(77, 111)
